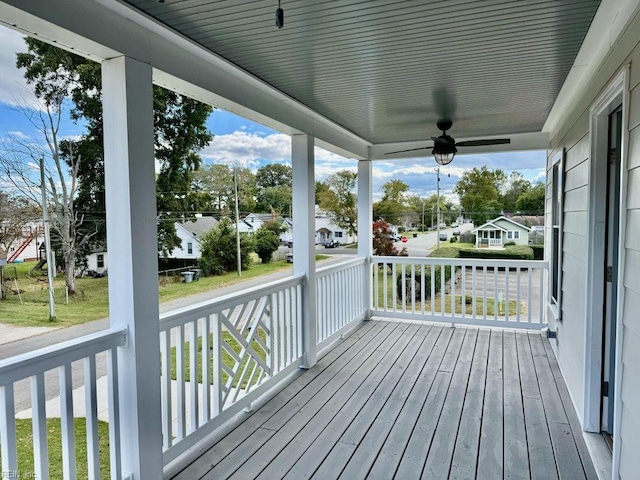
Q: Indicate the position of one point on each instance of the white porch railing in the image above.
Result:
(340, 298)
(495, 241)
(219, 356)
(502, 293)
(54, 364)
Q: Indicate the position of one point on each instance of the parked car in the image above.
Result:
(331, 244)
(443, 236)
(289, 257)
(456, 233)
(454, 225)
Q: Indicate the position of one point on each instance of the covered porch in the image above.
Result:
(411, 400)
(350, 394)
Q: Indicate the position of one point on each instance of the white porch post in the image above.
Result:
(133, 258)
(365, 222)
(304, 227)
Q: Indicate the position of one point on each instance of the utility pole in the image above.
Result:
(47, 242)
(423, 214)
(438, 204)
(238, 250)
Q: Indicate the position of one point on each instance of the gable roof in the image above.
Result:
(199, 226)
(493, 223)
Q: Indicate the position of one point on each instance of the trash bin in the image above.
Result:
(196, 274)
(187, 277)
(415, 235)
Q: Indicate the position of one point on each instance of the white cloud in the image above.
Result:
(14, 90)
(249, 149)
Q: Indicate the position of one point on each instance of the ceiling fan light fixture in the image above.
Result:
(443, 158)
(444, 149)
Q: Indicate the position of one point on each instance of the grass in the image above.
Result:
(91, 300)
(226, 358)
(24, 443)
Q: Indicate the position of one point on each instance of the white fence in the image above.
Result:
(58, 365)
(235, 347)
(340, 291)
(502, 293)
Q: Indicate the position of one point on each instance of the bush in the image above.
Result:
(538, 252)
(452, 239)
(266, 242)
(219, 250)
(416, 288)
(519, 252)
(382, 243)
(510, 244)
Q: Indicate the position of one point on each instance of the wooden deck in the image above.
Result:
(398, 400)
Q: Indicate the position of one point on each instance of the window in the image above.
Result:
(516, 235)
(556, 230)
(337, 234)
(190, 248)
(100, 260)
(509, 235)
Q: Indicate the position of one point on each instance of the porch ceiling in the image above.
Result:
(388, 70)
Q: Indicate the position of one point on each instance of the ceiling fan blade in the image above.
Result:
(410, 150)
(481, 143)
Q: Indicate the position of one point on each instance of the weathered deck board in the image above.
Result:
(398, 400)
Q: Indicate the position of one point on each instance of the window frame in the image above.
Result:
(556, 232)
(189, 248)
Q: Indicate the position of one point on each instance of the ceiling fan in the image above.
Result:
(444, 146)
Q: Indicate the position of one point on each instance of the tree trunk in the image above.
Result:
(70, 273)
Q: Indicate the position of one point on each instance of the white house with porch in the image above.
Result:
(553, 393)
(499, 231)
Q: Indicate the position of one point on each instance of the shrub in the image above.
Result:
(382, 243)
(452, 239)
(509, 244)
(416, 288)
(266, 242)
(538, 252)
(219, 250)
(467, 237)
(519, 252)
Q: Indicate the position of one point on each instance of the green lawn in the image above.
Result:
(91, 300)
(24, 440)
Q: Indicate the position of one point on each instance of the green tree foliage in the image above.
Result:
(179, 133)
(532, 201)
(266, 242)
(382, 243)
(393, 205)
(479, 192)
(339, 200)
(216, 189)
(273, 184)
(321, 189)
(516, 186)
(219, 250)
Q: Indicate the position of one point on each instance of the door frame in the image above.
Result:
(616, 93)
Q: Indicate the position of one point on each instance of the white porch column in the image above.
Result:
(133, 258)
(365, 222)
(304, 247)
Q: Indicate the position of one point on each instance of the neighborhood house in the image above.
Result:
(500, 231)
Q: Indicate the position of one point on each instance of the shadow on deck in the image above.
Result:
(399, 400)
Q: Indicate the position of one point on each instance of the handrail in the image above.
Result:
(461, 262)
(31, 363)
(175, 317)
(328, 270)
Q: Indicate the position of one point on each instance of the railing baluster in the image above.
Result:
(518, 295)
(452, 290)
(283, 330)
(384, 286)
(422, 289)
(496, 303)
(474, 304)
(39, 421)
(376, 283)
(506, 291)
(8, 429)
(91, 412)
(181, 430)
(113, 394)
(298, 318)
(433, 288)
(217, 364)
(463, 292)
(67, 431)
(193, 375)
(394, 287)
(443, 282)
(529, 299)
(413, 288)
(165, 353)
(403, 287)
(485, 297)
(540, 298)
(206, 369)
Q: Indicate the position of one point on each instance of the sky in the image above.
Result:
(237, 139)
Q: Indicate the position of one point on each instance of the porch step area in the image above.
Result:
(400, 400)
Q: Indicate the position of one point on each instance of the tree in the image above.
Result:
(58, 164)
(393, 206)
(532, 201)
(321, 189)
(339, 200)
(179, 133)
(215, 185)
(479, 192)
(219, 250)
(516, 186)
(273, 184)
(267, 242)
(382, 243)
(16, 212)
